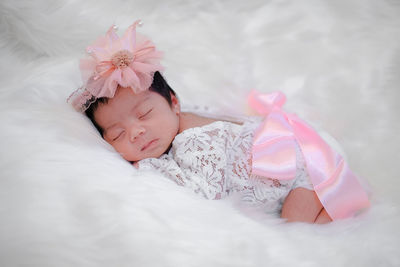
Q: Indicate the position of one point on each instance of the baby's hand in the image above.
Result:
(136, 164)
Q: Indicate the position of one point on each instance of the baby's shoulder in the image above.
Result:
(217, 132)
(188, 120)
(210, 131)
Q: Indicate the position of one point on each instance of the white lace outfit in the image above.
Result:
(215, 161)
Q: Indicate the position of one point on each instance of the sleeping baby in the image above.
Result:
(275, 160)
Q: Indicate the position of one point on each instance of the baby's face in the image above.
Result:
(140, 125)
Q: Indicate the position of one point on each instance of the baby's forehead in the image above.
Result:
(125, 101)
(126, 97)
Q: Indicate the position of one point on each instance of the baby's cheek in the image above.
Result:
(128, 152)
(121, 149)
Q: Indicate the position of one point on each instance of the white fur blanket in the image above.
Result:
(67, 199)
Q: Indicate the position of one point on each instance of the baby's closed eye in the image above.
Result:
(115, 134)
(118, 135)
(145, 113)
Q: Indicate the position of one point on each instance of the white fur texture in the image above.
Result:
(67, 199)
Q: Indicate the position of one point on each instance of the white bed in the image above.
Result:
(67, 199)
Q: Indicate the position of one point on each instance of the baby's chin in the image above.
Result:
(135, 158)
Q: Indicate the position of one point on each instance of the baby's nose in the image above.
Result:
(135, 132)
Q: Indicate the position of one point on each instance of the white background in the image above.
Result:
(67, 199)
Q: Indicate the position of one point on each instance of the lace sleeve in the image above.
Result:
(202, 154)
(197, 160)
(205, 181)
(165, 165)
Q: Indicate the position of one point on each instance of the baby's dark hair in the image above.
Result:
(159, 86)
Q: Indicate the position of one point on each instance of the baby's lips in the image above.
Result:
(147, 144)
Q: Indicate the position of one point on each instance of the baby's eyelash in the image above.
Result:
(118, 136)
(142, 116)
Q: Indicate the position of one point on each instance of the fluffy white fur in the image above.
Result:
(67, 199)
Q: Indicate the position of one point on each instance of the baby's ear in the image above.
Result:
(175, 105)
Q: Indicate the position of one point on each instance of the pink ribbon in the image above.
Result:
(274, 156)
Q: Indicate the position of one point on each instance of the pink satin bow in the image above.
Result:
(274, 156)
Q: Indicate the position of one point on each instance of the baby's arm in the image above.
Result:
(303, 205)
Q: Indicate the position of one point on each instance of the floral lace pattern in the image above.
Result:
(215, 161)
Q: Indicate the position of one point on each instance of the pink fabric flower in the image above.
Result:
(114, 61)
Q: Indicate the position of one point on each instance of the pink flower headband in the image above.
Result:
(116, 61)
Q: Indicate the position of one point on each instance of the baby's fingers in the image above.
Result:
(136, 165)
